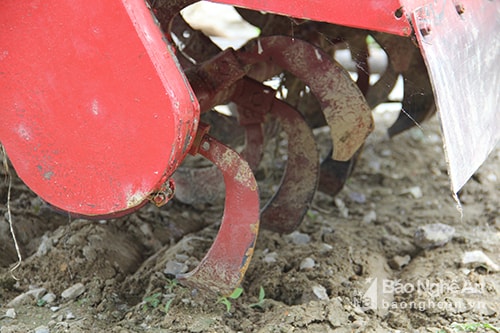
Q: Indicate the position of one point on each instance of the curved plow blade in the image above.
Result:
(343, 105)
(223, 267)
(286, 209)
(418, 99)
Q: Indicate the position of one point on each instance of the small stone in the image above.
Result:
(11, 313)
(49, 298)
(398, 262)
(44, 247)
(320, 292)
(70, 315)
(19, 300)
(42, 329)
(357, 197)
(74, 291)
(492, 178)
(325, 248)
(299, 238)
(344, 211)
(415, 192)
(175, 267)
(433, 235)
(270, 257)
(307, 263)
(37, 293)
(370, 217)
(477, 259)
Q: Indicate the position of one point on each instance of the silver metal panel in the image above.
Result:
(460, 42)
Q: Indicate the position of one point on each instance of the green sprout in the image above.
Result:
(151, 301)
(167, 305)
(171, 284)
(311, 214)
(41, 302)
(260, 303)
(473, 327)
(226, 300)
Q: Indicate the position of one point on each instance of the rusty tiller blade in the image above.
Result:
(339, 98)
(334, 174)
(288, 206)
(418, 98)
(254, 145)
(344, 106)
(379, 92)
(328, 37)
(223, 267)
(286, 209)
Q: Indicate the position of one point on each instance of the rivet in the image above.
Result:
(205, 146)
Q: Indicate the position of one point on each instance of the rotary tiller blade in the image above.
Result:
(223, 267)
(286, 209)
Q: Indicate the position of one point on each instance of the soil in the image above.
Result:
(317, 279)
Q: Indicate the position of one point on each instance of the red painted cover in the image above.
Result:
(95, 112)
(380, 15)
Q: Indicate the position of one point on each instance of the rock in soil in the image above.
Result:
(475, 259)
(11, 313)
(42, 329)
(74, 291)
(49, 298)
(433, 235)
(21, 299)
(307, 263)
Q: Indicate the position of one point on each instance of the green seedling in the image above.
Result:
(313, 215)
(41, 302)
(473, 327)
(226, 300)
(82, 301)
(260, 303)
(151, 301)
(167, 305)
(171, 284)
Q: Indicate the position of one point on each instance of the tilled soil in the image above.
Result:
(354, 264)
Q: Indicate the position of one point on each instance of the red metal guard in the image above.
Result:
(95, 113)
